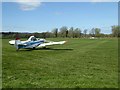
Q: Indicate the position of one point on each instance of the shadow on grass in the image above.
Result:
(57, 49)
(52, 49)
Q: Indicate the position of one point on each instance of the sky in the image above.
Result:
(45, 16)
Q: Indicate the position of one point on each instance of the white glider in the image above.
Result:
(33, 43)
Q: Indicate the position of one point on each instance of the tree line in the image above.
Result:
(64, 32)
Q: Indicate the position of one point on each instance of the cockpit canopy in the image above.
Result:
(32, 38)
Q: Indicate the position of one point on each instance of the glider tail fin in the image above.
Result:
(17, 42)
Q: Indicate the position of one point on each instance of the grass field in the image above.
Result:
(80, 63)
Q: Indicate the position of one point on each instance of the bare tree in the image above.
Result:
(97, 32)
(71, 32)
(77, 33)
(116, 31)
(63, 31)
(55, 32)
(85, 32)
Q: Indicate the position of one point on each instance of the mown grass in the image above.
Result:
(80, 63)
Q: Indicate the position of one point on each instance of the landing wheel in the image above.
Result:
(34, 48)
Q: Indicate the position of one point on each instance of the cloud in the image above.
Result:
(27, 5)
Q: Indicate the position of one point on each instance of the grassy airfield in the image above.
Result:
(80, 63)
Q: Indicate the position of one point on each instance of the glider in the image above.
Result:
(33, 43)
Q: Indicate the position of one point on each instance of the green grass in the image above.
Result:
(80, 63)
